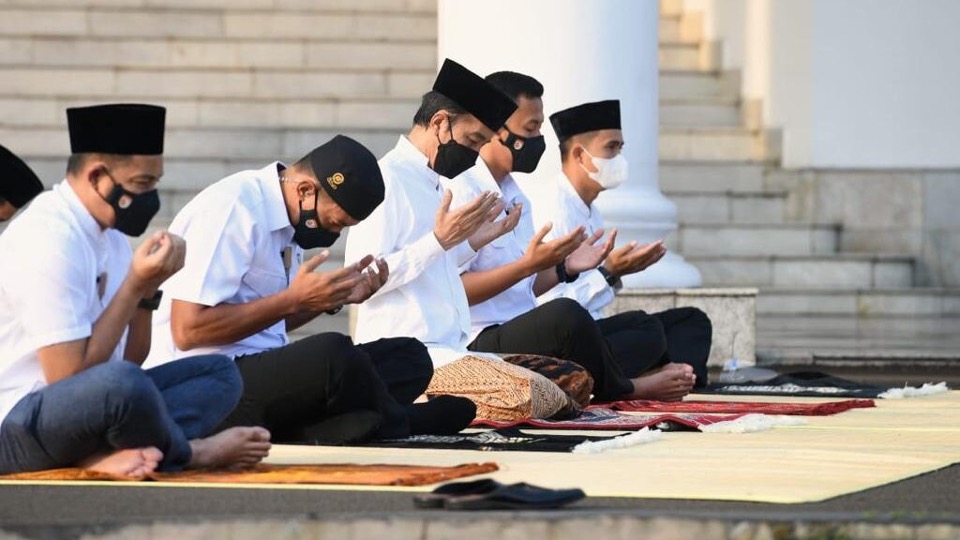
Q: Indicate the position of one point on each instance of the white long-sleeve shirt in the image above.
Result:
(423, 298)
(519, 298)
(563, 206)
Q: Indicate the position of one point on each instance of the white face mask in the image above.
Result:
(610, 172)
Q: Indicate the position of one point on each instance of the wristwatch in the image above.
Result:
(334, 311)
(562, 274)
(612, 280)
(151, 303)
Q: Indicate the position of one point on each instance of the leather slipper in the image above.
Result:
(519, 496)
(437, 497)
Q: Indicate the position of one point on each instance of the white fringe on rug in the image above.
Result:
(751, 423)
(928, 389)
(643, 436)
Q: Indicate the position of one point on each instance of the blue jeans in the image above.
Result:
(118, 405)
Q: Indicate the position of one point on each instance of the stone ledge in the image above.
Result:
(561, 524)
(731, 310)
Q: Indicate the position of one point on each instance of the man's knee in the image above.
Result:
(222, 372)
(123, 385)
(695, 317)
(566, 313)
(335, 354)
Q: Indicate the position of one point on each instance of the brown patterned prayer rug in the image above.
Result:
(348, 474)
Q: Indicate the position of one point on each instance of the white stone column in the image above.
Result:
(583, 51)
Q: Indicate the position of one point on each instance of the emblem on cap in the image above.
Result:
(335, 180)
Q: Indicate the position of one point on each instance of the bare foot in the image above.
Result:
(133, 463)
(241, 447)
(669, 383)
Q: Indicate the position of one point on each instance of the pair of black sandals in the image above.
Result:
(488, 494)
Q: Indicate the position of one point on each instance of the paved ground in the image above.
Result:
(57, 512)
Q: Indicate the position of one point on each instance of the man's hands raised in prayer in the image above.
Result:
(491, 229)
(632, 258)
(455, 226)
(156, 259)
(370, 281)
(589, 254)
(323, 291)
(542, 255)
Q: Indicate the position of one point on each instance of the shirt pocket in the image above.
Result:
(264, 283)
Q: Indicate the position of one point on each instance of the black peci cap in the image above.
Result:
(586, 118)
(349, 173)
(124, 129)
(18, 183)
(477, 96)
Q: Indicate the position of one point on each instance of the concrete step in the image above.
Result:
(670, 28)
(316, 21)
(364, 6)
(685, 56)
(716, 144)
(727, 240)
(219, 53)
(686, 176)
(111, 84)
(280, 111)
(670, 8)
(920, 302)
(699, 84)
(729, 207)
(831, 340)
(716, 112)
(369, 113)
(839, 271)
(273, 143)
(211, 144)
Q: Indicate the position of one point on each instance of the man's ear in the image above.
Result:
(93, 170)
(306, 188)
(437, 120)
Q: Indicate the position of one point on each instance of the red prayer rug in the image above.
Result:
(730, 407)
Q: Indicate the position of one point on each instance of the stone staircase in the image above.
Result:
(247, 81)
(743, 222)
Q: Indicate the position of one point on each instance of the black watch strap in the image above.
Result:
(562, 274)
(612, 280)
(151, 303)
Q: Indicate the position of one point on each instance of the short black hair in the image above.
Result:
(567, 144)
(515, 84)
(431, 103)
(76, 162)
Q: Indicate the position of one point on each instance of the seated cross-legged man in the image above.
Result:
(245, 285)
(658, 344)
(425, 243)
(18, 184)
(505, 279)
(75, 318)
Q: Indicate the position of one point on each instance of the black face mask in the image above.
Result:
(312, 237)
(453, 158)
(526, 152)
(133, 211)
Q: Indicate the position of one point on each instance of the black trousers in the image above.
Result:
(325, 389)
(641, 341)
(561, 328)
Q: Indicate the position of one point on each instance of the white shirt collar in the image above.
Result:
(275, 207)
(412, 154)
(85, 220)
(573, 198)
